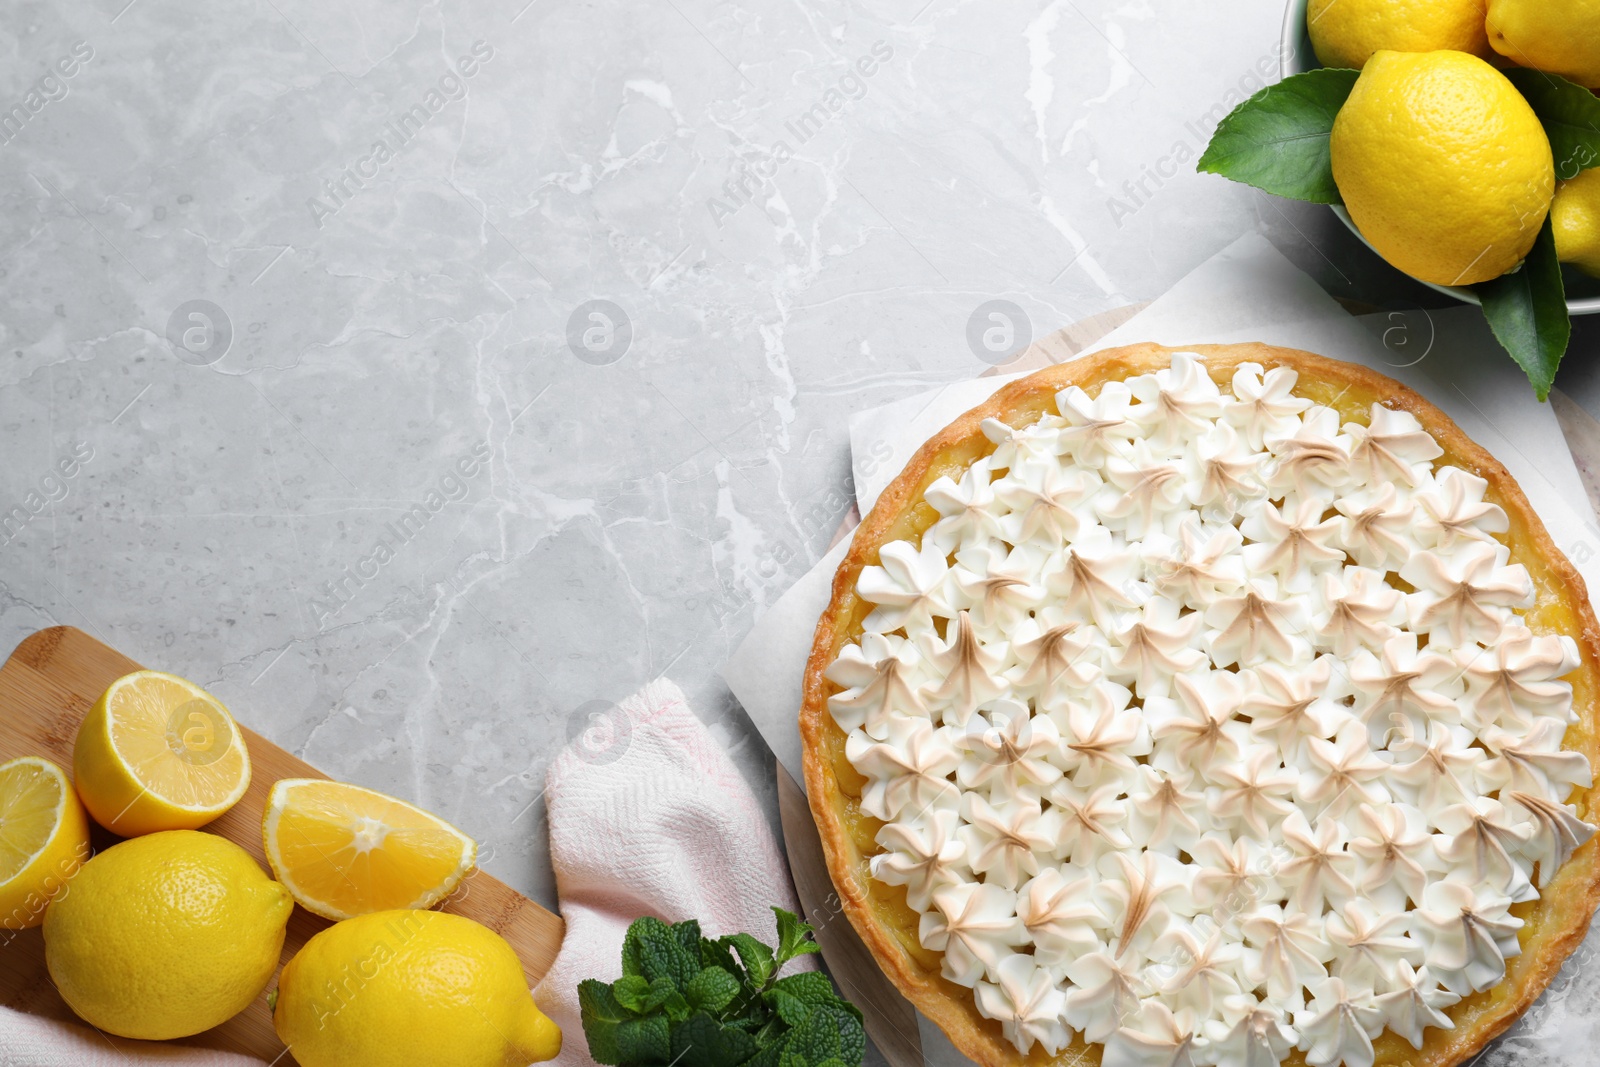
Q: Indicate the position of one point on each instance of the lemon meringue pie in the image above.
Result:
(1226, 706)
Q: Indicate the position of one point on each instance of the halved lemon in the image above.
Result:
(44, 839)
(157, 752)
(345, 851)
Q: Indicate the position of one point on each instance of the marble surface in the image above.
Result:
(347, 440)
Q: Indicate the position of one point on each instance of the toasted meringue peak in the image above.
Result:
(907, 587)
(1061, 916)
(1008, 749)
(1266, 405)
(1555, 831)
(1285, 705)
(1291, 541)
(880, 676)
(1393, 447)
(1319, 868)
(1102, 737)
(1204, 962)
(1377, 527)
(1210, 724)
(975, 926)
(1284, 950)
(908, 771)
(1027, 1003)
(1048, 503)
(966, 508)
(922, 854)
(1090, 821)
(1164, 809)
(1054, 662)
(1466, 597)
(1337, 1027)
(1517, 679)
(1481, 837)
(1468, 934)
(1533, 761)
(1094, 426)
(1369, 946)
(1138, 889)
(1395, 852)
(1413, 1002)
(1156, 1037)
(1102, 990)
(1005, 842)
(967, 668)
(1454, 509)
(1260, 1038)
(1141, 487)
(1255, 627)
(1316, 457)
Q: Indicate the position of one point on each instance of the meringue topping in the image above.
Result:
(1208, 724)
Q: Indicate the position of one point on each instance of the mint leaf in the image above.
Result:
(711, 990)
(790, 1008)
(652, 949)
(1570, 115)
(811, 987)
(647, 1040)
(756, 957)
(704, 1042)
(717, 954)
(632, 992)
(794, 936)
(1278, 139)
(1527, 310)
(601, 1015)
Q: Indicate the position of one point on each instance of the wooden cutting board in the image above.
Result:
(46, 687)
(890, 1019)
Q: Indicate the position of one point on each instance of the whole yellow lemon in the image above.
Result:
(410, 989)
(1345, 33)
(166, 935)
(1443, 166)
(1555, 36)
(1575, 217)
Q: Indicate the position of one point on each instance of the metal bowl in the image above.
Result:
(1296, 57)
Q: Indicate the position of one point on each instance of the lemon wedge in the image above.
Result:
(157, 752)
(345, 851)
(44, 839)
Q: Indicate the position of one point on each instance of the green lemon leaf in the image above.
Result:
(711, 990)
(1527, 310)
(1570, 115)
(794, 936)
(1278, 139)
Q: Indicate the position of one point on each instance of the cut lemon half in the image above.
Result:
(345, 851)
(157, 752)
(44, 839)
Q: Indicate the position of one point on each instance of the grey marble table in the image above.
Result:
(431, 375)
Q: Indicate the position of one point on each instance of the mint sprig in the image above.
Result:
(1570, 115)
(688, 1000)
(1278, 139)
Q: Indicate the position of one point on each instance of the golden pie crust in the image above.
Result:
(1554, 924)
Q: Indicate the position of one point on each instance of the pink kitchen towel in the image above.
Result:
(649, 816)
(30, 1041)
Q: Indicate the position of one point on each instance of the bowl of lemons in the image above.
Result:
(1442, 164)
